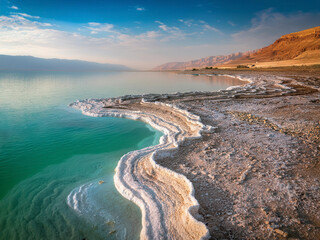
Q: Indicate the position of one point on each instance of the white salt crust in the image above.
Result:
(140, 179)
(130, 182)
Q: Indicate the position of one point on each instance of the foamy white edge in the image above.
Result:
(151, 227)
(93, 107)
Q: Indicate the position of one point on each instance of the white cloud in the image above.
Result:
(100, 27)
(267, 26)
(171, 32)
(46, 24)
(94, 24)
(18, 22)
(188, 23)
(22, 36)
(28, 16)
(27, 35)
(206, 26)
(161, 23)
(14, 7)
(163, 27)
(231, 23)
(140, 9)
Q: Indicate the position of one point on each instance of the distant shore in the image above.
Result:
(255, 174)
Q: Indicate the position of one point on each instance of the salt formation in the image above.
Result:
(166, 198)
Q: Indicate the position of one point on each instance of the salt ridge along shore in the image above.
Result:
(261, 173)
(166, 199)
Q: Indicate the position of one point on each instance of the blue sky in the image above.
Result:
(143, 34)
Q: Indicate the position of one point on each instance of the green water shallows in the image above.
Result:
(48, 150)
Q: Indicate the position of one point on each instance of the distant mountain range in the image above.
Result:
(300, 48)
(200, 63)
(15, 63)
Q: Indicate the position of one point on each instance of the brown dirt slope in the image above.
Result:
(303, 45)
(294, 49)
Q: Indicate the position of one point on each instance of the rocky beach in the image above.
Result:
(251, 154)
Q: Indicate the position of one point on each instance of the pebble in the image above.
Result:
(211, 176)
(112, 232)
(282, 233)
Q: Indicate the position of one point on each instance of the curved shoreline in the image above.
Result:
(166, 198)
(161, 218)
(140, 179)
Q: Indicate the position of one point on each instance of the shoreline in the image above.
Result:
(135, 169)
(201, 172)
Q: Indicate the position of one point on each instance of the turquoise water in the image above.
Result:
(48, 150)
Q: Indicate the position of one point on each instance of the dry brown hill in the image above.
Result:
(299, 48)
(292, 49)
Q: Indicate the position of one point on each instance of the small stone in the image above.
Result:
(203, 172)
(282, 233)
(110, 223)
(211, 176)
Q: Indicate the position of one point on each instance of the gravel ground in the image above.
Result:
(257, 176)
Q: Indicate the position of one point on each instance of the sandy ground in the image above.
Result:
(307, 59)
(284, 63)
(257, 176)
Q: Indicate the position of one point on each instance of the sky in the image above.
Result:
(144, 34)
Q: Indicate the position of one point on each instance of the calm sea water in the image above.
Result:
(48, 150)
